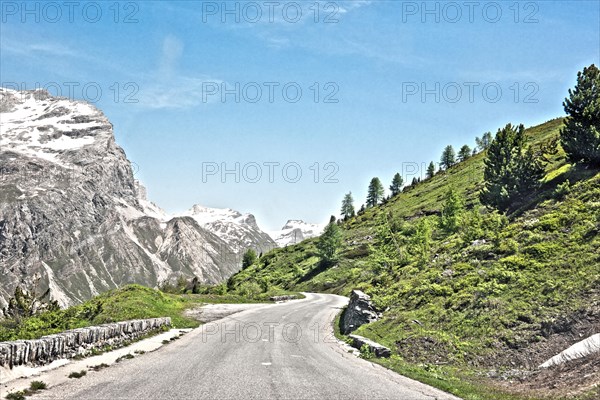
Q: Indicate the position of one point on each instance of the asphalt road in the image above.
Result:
(280, 351)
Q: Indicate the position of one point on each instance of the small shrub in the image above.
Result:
(365, 352)
(127, 356)
(78, 375)
(165, 341)
(508, 246)
(99, 367)
(15, 396)
(37, 385)
(562, 190)
(249, 290)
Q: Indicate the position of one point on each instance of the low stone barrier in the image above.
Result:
(283, 298)
(375, 348)
(74, 342)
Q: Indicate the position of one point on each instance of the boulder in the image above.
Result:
(360, 311)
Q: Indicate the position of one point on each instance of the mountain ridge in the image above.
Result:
(73, 215)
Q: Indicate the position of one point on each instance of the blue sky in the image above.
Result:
(370, 61)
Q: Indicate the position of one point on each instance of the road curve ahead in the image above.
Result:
(279, 351)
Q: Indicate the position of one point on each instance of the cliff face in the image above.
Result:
(72, 213)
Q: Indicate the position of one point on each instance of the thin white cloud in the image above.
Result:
(164, 87)
(168, 88)
(46, 53)
(177, 92)
(347, 6)
(172, 50)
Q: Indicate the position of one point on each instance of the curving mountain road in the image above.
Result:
(280, 351)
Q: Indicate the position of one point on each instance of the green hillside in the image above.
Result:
(125, 303)
(502, 292)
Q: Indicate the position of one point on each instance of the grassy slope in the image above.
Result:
(475, 305)
(128, 302)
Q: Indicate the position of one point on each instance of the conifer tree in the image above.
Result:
(396, 185)
(484, 142)
(249, 258)
(512, 169)
(375, 192)
(348, 206)
(452, 211)
(448, 158)
(580, 137)
(431, 170)
(464, 153)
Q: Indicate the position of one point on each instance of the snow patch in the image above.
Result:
(578, 350)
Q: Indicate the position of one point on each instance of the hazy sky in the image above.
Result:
(279, 108)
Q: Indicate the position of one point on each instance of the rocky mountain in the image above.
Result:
(239, 230)
(295, 231)
(72, 213)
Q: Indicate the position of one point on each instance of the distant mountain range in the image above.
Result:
(295, 231)
(72, 213)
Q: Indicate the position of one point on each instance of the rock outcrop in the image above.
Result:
(75, 342)
(72, 213)
(240, 231)
(360, 311)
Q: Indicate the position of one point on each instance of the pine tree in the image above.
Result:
(396, 185)
(485, 141)
(329, 243)
(249, 258)
(580, 137)
(348, 206)
(512, 170)
(431, 170)
(414, 181)
(375, 192)
(464, 153)
(452, 211)
(195, 285)
(448, 157)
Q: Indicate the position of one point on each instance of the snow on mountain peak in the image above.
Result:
(295, 231)
(38, 125)
(206, 214)
(240, 230)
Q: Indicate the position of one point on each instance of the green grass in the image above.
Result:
(538, 265)
(126, 303)
(34, 387)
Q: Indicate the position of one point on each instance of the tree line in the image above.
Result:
(513, 167)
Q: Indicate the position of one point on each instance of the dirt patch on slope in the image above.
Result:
(575, 378)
